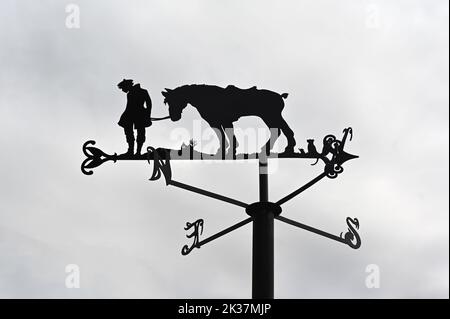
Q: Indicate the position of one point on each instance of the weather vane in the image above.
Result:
(220, 108)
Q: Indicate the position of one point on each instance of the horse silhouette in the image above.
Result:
(221, 107)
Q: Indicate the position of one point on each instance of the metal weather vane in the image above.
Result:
(261, 213)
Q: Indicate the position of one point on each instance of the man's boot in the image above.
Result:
(140, 139)
(139, 148)
(130, 148)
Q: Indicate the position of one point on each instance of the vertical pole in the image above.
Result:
(262, 263)
(263, 180)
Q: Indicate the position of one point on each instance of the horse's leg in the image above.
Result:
(274, 134)
(223, 143)
(229, 131)
(289, 135)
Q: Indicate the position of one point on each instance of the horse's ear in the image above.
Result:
(165, 93)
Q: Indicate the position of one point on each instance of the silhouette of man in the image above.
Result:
(135, 116)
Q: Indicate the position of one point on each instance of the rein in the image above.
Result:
(160, 118)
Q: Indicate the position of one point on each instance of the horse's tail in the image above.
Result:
(284, 95)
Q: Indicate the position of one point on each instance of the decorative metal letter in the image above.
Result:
(351, 237)
(160, 165)
(198, 230)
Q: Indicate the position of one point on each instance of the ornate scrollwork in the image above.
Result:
(335, 147)
(198, 230)
(351, 237)
(161, 166)
(333, 170)
(94, 158)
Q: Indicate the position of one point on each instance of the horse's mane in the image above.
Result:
(194, 89)
(193, 86)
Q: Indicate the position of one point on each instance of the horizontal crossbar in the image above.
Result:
(311, 229)
(207, 193)
(224, 232)
(301, 189)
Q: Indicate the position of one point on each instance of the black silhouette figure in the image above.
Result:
(311, 147)
(135, 116)
(221, 107)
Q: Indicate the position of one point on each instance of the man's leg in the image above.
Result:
(140, 139)
(129, 134)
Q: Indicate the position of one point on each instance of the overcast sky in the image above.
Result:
(378, 66)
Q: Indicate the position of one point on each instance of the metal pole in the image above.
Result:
(262, 264)
(263, 180)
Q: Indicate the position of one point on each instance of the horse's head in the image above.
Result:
(176, 101)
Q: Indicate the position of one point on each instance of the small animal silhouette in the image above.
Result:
(311, 147)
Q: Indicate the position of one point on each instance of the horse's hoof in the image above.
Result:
(264, 153)
(231, 154)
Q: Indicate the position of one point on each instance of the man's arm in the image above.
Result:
(148, 102)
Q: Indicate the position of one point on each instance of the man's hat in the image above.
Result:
(125, 83)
